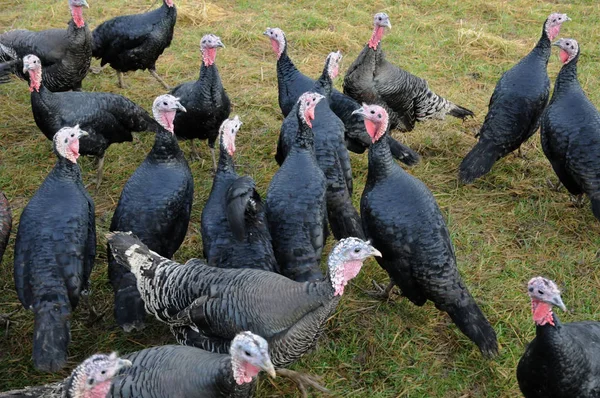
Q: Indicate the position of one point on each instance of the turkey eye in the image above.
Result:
(379, 18)
(164, 103)
(103, 372)
(540, 292)
(531, 289)
(357, 250)
(247, 353)
(372, 112)
(72, 135)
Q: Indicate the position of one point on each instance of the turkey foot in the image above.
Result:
(93, 316)
(381, 293)
(577, 200)
(194, 155)
(160, 80)
(99, 162)
(303, 380)
(121, 82)
(97, 69)
(555, 187)
(519, 154)
(6, 319)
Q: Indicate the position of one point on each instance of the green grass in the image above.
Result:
(506, 228)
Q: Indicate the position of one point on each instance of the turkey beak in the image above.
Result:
(389, 24)
(25, 68)
(83, 133)
(85, 4)
(179, 106)
(220, 44)
(557, 43)
(375, 252)
(567, 18)
(359, 111)
(266, 32)
(124, 363)
(269, 368)
(557, 301)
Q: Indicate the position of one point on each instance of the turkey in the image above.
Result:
(66, 54)
(515, 107)
(108, 118)
(5, 223)
(207, 306)
(406, 97)
(332, 155)
(134, 42)
(570, 130)
(54, 252)
(155, 204)
(91, 379)
(235, 233)
(292, 84)
(205, 99)
(562, 360)
(404, 222)
(296, 201)
(172, 371)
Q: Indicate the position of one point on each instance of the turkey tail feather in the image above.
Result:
(6, 70)
(460, 112)
(51, 336)
(471, 321)
(402, 152)
(478, 162)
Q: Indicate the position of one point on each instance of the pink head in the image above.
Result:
(169, 3)
(308, 102)
(553, 24)
(66, 142)
(277, 38)
(228, 131)
(380, 21)
(92, 378)
(164, 109)
(333, 64)
(77, 12)
(376, 120)
(544, 295)
(249, 355)
(346, 260)
(208, 48)
(33, 66)
(569, 48)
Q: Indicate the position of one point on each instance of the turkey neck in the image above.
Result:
(165, 149)
(543, 48)
(324, 84)
(381, 162)
(567, 77)
(305, 138)
(226, 164)
(67, 169)
(209, 75)
(286, 70)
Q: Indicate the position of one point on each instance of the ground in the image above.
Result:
(506, 227)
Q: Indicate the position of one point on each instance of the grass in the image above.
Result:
(506, 228)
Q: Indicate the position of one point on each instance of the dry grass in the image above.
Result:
(506, 227)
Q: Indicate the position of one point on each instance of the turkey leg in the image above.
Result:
(160, 80)
(380, 292)
(121, 82)
(303, 380)
(97, 69)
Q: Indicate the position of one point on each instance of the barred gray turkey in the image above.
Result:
(207, 306)
(91, 379)
(563, 360)
(134, 42)
(570, 130)
(515, 107)
(403, 220)
(406, 97)
(54, 252)
(172, 371)
(65, 54)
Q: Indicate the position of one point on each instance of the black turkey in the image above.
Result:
(91, 379)
(205, 99)
(570, 130)
(332, 155)
(406, 97)
(155, 204)
(54, 252)
(234, 228)
(208, 306)
(515, 107)
(292, 84)
(134, 42)
(296, 201)
(563, 360)
(108, 118)
(404, 222)
(5, 223)
(172, 371)
(66, 54)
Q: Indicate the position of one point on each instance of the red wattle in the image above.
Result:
(35, 80)
(371, 129)
(376, 38)
(209, 55)
(564, 56)
(74, 147)
(77, 14)
(309, 115)
(169, 3)
(542, 312)
(553, 32)
(275, 46)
